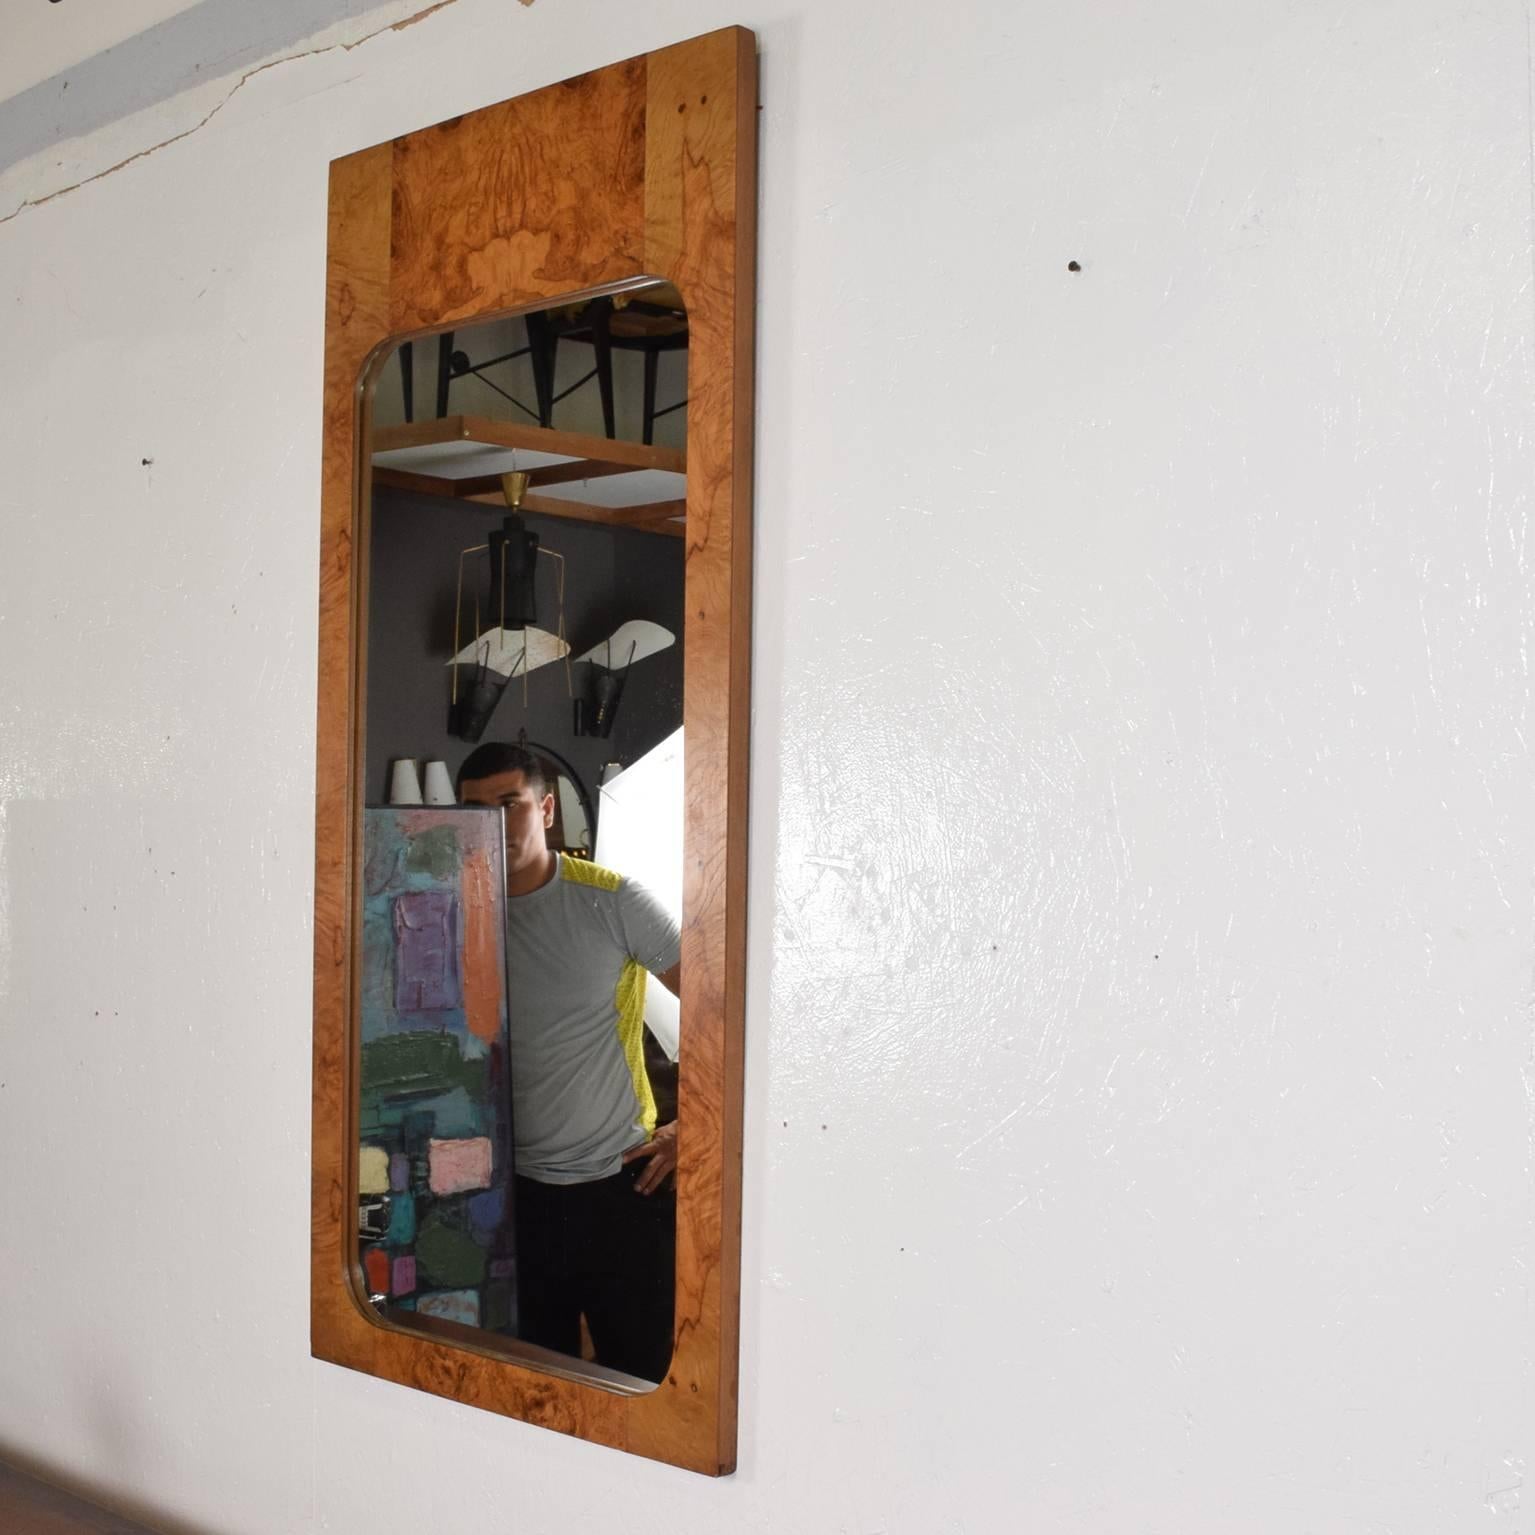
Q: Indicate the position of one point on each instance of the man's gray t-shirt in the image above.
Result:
(578, 949)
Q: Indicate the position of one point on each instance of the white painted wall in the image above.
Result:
(1139, 1116)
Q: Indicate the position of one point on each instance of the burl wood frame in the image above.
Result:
(645, 168)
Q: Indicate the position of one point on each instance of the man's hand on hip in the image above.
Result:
(661, 1149)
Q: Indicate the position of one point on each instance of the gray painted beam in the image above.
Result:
(209, 41)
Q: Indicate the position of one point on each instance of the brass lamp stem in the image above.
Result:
(514, 487)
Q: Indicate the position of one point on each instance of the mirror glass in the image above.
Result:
(521, 834)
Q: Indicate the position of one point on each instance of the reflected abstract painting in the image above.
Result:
(434, 1159)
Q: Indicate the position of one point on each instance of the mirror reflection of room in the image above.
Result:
(522, 836)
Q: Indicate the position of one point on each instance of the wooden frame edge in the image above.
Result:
(684, 210)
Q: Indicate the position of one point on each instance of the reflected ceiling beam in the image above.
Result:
(418, 484)
(579, 458)
(653, 517)
(533, 439)
(649, 517)
(541, 474)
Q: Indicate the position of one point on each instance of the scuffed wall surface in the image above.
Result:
(1139, 1082)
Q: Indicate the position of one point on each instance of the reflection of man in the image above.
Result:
(596, 1229)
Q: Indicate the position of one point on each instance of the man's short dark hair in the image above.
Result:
(493, 757)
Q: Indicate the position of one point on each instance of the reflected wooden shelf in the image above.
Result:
(590, 479)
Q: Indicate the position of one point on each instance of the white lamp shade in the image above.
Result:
(645, 637)
(512, 651)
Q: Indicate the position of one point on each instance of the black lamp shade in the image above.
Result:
(513, 558)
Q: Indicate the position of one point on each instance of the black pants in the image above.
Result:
(601, 1251)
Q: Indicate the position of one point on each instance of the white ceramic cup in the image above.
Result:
(439, 787)
(404, 784)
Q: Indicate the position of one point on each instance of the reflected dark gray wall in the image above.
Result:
(610, 576)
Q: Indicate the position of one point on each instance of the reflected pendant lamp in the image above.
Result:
(513, 596)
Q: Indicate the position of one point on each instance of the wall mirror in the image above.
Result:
(524, 594)
(530, 851)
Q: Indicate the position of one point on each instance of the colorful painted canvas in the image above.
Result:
(434, 1164)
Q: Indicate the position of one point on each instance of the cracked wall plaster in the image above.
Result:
(211, 40)
(225, 96)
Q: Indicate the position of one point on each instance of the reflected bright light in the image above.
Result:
(639, 833)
